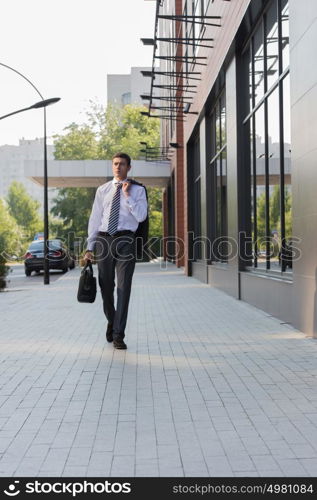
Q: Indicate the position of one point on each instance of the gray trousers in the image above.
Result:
(115, 253)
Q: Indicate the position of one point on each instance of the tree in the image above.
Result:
(260, 212)
(79, 143)
(106, 131)
(24, 209)
(155, 229)
(155, 199)
(10, 241)
(275, 215)
(73, 205)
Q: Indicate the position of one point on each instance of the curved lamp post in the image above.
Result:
(41, 104)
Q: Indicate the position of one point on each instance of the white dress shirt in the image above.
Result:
(133, 209)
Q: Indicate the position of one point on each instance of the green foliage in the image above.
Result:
(79, 143)
(274, 211)
(56, 227)
(156, 223)
(106, 131)
(73, 206)
(155, 211)
(3, 269)
(10, 241)
(275, 208)
(155, 198)
(24, 209)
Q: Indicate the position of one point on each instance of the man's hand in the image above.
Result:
(88, 256)
(125, 188)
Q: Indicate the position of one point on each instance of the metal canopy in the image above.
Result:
(176, 93)
(179, 74)
(195, 19)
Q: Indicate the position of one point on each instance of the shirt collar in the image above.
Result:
(114, 180)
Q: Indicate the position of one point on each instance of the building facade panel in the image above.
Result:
(226, 276)
(249, 148)
(303, 43)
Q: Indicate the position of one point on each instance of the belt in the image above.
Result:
(118, 233)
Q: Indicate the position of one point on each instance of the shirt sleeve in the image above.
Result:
(138, 206)
(94, 220)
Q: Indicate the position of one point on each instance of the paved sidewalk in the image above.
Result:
(209, 385)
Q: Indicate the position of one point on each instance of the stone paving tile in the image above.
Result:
(291, 467)
(310, 465)
(148, 468)
(123, 465)
(206, 391)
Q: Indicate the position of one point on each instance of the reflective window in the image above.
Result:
(272, 42)
(218, 178)
(268, 107)
(126, 98)
(259, 195)
(249, 59)
(287, 160)
(274, 200)
(197, 197)
(258, 61)
(285, 34)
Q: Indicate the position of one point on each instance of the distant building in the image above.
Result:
(12, 167)
(126, 89)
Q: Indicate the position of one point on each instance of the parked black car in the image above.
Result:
(59, 257)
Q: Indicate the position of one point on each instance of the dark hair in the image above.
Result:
(122, 155)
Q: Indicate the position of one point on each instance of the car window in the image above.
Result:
(55, 244)
(39, 245)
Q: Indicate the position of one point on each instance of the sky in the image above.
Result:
(66, 48)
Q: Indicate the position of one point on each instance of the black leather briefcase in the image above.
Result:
(87, 287)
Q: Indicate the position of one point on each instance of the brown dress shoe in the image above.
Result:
(109, 332)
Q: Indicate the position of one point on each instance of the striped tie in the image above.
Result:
(114, 211)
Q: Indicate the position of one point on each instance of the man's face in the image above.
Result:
(120, 168)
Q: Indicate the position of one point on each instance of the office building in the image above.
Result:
(12, 167)
(239, 101)
(126, 89)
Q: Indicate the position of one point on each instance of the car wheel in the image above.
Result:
(28, 272)
(64, 270)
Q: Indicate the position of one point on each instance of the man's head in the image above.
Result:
(121, 164)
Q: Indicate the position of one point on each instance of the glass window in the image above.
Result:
(272, 42)
(274, 177)
(270, 146)
(218, 176)
(126, 98)
(286, 260)
(249, 57)
(218, 127)
(258, 75)
(223, 120)
(260, 206)
(197, 197)
(218, 194)
(285, 34)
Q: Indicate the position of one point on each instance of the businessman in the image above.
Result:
(118, 208)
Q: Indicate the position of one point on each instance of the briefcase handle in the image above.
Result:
(86, 266)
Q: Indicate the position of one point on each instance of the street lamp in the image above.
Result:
(41, 104)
